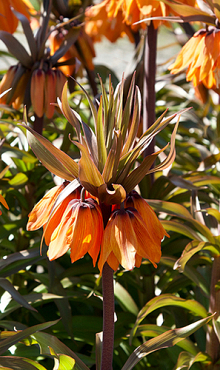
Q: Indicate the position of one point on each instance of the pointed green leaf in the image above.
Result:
(181, 229)
(170, 300)
(6, 285)
(150, 330)
(186, 360)
(28, 33)
(192, 248)
(127, 109)
(46, 340)
(102, 153)
(51, 157)
(167, 339)
(135, 122)
(19, 363)
(65, 362)
(7, 343)
(139, 172)
(20, 179)
(16, 49)
(89, 175)
(125, 299)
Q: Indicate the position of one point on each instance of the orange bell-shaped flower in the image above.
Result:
(80, 229)
(127, 240)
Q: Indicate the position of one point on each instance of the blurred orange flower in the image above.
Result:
(8, 21)
(3, 201)
(115, 18)
(201, 55)
(81, 51)
(101, 21)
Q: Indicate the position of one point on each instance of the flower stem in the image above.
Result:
(108, 317)
(212, 342)
(38, 124)
(149, 82)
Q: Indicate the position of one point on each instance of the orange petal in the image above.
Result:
(40, 213)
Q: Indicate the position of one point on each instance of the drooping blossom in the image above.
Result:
(115, 18)
(8, 20)
(3, 201)
(107, 219)
(201, 55)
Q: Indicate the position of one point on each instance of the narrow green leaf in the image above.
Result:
(98, 349)
(125, 299)
(186, 360)
(28, 33)
(192, 248)
(89, 175)
(66, 362)
(19, 363)
(167, 339)
(169, 300)
(70, 115)
(6, 285)
(7, 343)
(46, 340)
(150, 330)
(126, 117)
(16, 49)
(51, 157)
(20, 179)
(102, 153)
(181, 229)
(139, 172)
(135, 122)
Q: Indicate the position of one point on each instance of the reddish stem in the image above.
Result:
(108, 305)
(149, 82)
(108, 317)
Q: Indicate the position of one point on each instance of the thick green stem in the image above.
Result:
(108, 317)
(212, 342)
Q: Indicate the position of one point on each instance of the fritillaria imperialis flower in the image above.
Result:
(8, 20)
(201, 55)
(35, 80)
(127, 240)
(110, 219)
(76, 224)
(115, 18)
(82, 51)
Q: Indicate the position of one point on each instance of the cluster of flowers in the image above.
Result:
(133, 231)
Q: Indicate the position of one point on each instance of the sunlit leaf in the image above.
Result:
(20, 179)
(6, 285)
(7, 343)
(164, 340)
(150, 330)
(18, 363)
(125, 299)
(46, 340)
(51, 157)
(16, 48)
(192, 248)
(169, 300)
